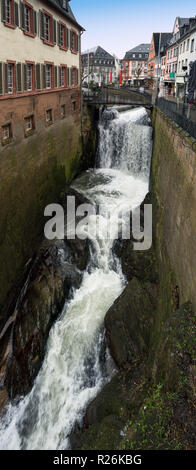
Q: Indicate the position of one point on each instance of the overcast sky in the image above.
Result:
(118, 26)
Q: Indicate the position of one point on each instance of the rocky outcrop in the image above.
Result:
(51, 278)
(149, 409)
(24, 336)
(106, 416)
(129, 321)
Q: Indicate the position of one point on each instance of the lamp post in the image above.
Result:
(184, 68)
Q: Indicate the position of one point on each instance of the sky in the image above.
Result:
(118, 26)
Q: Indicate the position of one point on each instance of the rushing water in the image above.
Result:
(73, 371)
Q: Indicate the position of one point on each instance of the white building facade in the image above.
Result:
(40, 46)
(186, 55)
(98, 66)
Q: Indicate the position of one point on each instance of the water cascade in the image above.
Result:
(73, 371)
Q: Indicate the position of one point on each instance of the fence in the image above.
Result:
(183, 114)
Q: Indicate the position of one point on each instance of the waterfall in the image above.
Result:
(73, 371)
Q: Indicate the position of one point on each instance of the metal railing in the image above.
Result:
(116, 96)
(181, 113)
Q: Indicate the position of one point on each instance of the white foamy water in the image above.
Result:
(73, 372)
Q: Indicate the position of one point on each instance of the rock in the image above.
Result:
(129, 321)
(23, 338)
(80, 250)
(78, 247)
(140, 264)
(174, 358)
(107, 414)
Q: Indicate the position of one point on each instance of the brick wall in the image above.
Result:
(14, 110)
(33, 171)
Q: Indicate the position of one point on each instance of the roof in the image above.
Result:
(68, 13)
(187, 29)
(165, 39)
(183, 21)
(134, 53)
(98, 52)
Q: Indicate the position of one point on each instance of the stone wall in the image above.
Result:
(33, 171)
(173, 187)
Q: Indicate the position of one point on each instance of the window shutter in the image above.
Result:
(37, 77)
(25, 76)
(22, 21)
(55, 76)
(68, 76)
(43, 76)
(77, 76)
(34, 22)
(2, 10)
(59, 69)
(6, 78)
(58, 34)
(1, 79)
(18, 78)
(72, 77)
(67, 38)
(77, 42)
(71, 40)
(41, 24)
(54, 31)
(16, 19)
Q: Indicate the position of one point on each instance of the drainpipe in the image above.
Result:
(159, 58)
(81, 95)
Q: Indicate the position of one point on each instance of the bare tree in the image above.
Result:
(138, 72)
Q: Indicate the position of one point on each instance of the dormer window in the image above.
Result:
(65, 4)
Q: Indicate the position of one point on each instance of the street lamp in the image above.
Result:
(184, 68)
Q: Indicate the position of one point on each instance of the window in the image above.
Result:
(29, 77)
(6, 134)
(65, 4)
(62, 77)
(10, 78)
(187, 45)
(74, 42)
(62, 110)
(63, 71)
(62, 35)
(27, 20)
(48, 76)
(73, 105)
(49, 116)
(192, 45)
(63, 39)
(74, 76)
(47, 27)
(29, 125)
(8, 11)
